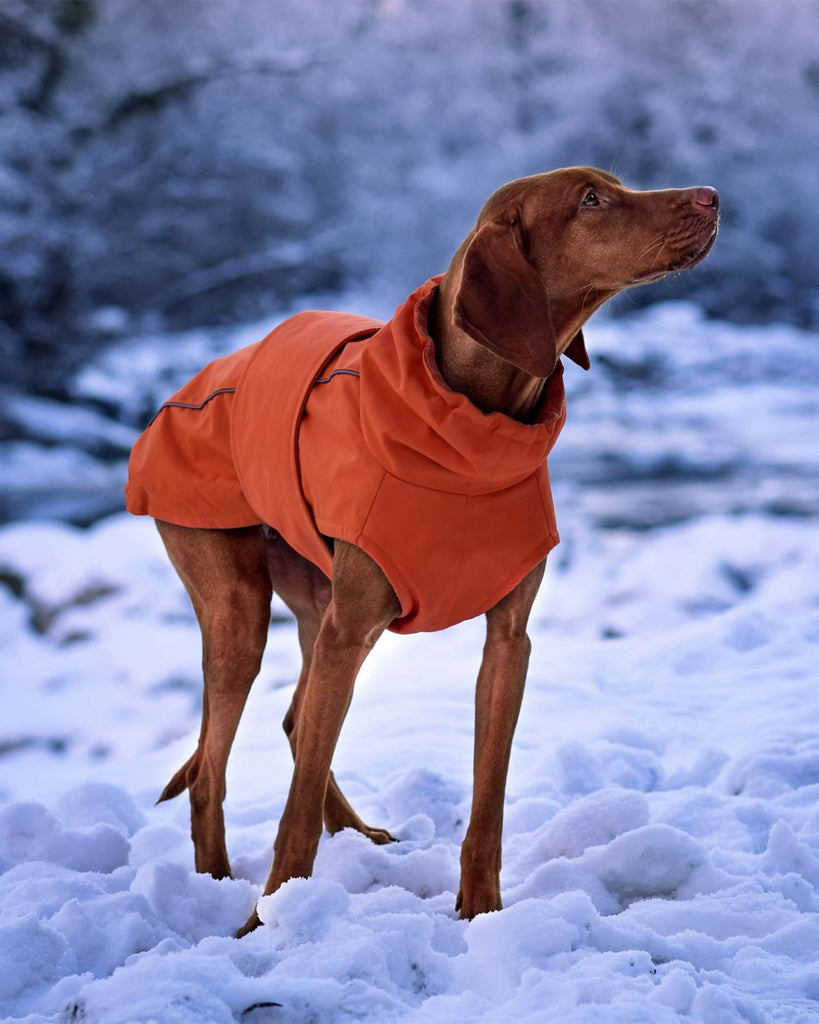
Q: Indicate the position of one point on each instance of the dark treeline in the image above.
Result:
(171, 162)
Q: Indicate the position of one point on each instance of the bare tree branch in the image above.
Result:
(155, 98)
(278, 257)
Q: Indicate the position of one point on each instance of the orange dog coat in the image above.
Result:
(339, 426)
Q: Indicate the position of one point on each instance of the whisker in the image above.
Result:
(657, 241)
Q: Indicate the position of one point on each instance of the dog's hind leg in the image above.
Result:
(226, 576)
(306, 591)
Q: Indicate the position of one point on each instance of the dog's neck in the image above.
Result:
(489, 382)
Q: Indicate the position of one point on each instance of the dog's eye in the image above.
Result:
(590, 199)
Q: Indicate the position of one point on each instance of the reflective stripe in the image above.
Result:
(324, 380)
(189, 405)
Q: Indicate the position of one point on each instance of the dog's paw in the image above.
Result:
(379, 836)
(250, 925)
(478, 899)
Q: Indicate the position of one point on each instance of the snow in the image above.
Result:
(661, 844)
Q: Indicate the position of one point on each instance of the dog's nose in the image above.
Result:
(707, 196)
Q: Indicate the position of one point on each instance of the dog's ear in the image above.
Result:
(502, 302)
(577, 351)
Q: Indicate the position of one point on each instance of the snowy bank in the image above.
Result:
(661, 848)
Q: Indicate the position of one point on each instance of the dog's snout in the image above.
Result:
(706, 196)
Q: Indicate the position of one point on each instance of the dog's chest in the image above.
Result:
(342, 431)
(451, 545)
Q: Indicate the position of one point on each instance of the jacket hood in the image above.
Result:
(423, 432)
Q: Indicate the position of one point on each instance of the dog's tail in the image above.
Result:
(182, 779)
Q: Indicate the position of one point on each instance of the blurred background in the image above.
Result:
(170, 169)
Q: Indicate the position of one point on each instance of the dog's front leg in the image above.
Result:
(361, 607)
(498, 696)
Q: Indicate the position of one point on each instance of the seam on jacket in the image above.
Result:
(369, 512)
(407, 598)
(547, 502)
(192, 405)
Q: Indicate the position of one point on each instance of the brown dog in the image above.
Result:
(546, 252)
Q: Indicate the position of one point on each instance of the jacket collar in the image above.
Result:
(423, 432)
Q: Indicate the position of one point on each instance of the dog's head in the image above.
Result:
(549, 249)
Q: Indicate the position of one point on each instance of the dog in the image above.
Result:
(394, 476)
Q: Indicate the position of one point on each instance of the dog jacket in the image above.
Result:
(340, 426)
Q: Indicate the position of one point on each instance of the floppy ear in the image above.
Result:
(577, 351)
(502, 301)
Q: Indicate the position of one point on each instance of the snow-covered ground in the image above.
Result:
(661, 855)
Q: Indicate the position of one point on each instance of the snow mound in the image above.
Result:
(661, 841)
